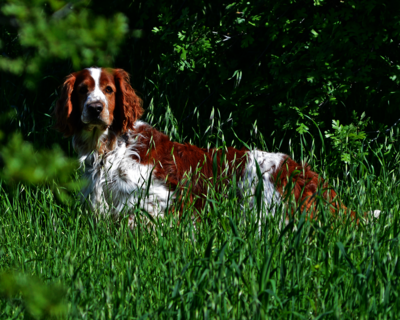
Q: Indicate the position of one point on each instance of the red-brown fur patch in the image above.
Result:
(175, 163)
(67, 119)
(303, 183)
(128, 104)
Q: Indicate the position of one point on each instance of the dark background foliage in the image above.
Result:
(288, 66)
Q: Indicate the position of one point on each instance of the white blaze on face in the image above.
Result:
(95, 96)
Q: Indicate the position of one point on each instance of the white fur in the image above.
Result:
(268, 163)
(139, 123)
(376, 213)
(95, 95)
(117, 182)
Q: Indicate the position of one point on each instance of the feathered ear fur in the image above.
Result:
(128, 107)
(63, 112)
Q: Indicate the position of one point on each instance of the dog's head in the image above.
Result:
(97, 98)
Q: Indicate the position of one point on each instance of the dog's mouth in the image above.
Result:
(90, 124)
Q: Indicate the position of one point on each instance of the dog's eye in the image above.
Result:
(83, 90)
(109, 89)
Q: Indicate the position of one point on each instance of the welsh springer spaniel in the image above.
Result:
(129, 163)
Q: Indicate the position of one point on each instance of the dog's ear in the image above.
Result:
(128, 106)
(63, 112)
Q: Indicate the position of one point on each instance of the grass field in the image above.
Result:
(66, 265)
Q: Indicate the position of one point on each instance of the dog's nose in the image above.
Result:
(95, 108)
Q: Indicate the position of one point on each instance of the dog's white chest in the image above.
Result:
(119, 183)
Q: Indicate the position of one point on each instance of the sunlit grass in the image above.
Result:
(229, 266)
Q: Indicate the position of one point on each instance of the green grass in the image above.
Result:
(221, 268)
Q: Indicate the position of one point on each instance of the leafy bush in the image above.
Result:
(31, 297)
(60, 30)
(348, 140)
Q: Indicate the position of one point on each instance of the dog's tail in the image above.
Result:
(298, 180)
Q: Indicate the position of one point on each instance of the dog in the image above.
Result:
(128, 163)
